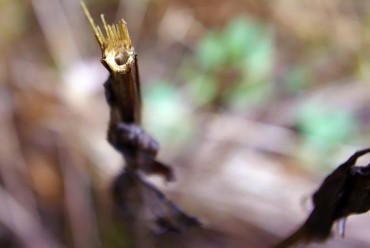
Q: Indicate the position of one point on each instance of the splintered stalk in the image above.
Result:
(120, 59)
(132, 193)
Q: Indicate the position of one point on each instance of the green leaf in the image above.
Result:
(203, 89)
(166, 115)
(327, 125)
(260, 61)
(211, 53)
(246, 95)
(240, 37)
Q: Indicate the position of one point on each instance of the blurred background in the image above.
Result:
(253, 103)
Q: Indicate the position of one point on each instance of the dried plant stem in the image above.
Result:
(134, 197)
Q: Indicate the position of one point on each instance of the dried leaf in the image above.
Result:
(344, 192)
